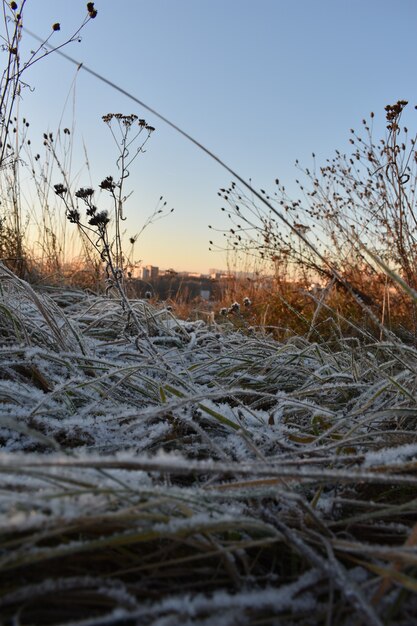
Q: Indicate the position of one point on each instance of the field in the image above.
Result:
(199, 474)
(248, 460)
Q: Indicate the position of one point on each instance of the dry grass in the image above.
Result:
(199, 475)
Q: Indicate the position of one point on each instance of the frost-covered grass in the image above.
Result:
(198, 475)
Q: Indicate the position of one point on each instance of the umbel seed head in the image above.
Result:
(84, 192)
(59, 188)
(99, 219)
(108, 183)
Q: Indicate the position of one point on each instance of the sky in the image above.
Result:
(260, 84)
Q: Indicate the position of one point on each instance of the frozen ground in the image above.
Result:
(191, 474)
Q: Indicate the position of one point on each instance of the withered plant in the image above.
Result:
(102, 230)
(13, 130)
(356, 208)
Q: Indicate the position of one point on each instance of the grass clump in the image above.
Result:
(189, 474)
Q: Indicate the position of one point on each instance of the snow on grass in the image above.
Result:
(199, 475)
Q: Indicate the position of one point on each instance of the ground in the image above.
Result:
(195, 474)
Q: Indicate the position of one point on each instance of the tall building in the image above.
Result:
(149, 272)
(153, 271)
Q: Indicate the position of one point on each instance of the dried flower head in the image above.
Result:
(13, 6)
(108, 183)
(92, 210)
(84, 193)
(148, 295)
(395, 110)
(128, 120)
(247, 301)
(99, 219)
(59, 188)
(92, 12)
(56, 26)
(235, 307)
(73, 216)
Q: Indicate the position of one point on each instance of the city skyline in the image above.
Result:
(147, 271)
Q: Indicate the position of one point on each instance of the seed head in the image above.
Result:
(395, 110)
(59, 188)
(83, 193)
(92, 12)
(99, 219)
(92, 210)
(108, 183)
(73, 216)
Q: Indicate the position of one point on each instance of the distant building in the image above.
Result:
(153, 271)
(149, 272)
(221, 276)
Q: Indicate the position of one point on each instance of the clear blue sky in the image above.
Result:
(261, 83)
